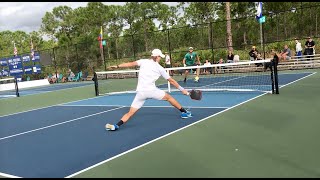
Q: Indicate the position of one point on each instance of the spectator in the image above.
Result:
(275, 60)
(70, 75)
(298, 49)
(236, 58)
(259, 58)
(53, 78)
(230, 57)
(168, 62)
(207, 70)
(309, 47)
(253, 53)
(286, 53)
(218, 70)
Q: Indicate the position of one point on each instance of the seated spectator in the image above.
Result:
(230, 57)
(275, 60)
(236, 58)
(219, 68)
(286, 53)
(70, 75)
(53, 78)
(253, 53)
(207, 70)
(49, 77)
(63, 79)
(259, 58)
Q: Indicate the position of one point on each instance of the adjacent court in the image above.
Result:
(43, 89)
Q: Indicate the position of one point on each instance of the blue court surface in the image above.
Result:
(60, 141)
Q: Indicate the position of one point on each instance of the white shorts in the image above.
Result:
(142, 96)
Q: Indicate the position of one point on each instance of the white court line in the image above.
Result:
(144, 106)
(26, 132)
(102, 162)
(8, 175)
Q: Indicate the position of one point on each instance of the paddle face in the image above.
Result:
(196, 94)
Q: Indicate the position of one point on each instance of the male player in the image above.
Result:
(150, 71)
(189, 60)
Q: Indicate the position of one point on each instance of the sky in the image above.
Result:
(27, 16)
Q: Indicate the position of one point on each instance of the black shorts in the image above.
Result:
(192, 65)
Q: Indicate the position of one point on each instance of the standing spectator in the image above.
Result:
(298, 49)
(309, 47)
(253, 53)
(70, 75)
(286, 53)
(189, 60)
(230, 57)
(168, 62)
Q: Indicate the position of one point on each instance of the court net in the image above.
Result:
(9, 88)
(249, 76)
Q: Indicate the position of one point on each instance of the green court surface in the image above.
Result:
(270, 136)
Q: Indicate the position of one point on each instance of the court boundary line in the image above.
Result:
(57, 124)
(177, 130)
(8, 175)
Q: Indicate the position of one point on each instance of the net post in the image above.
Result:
(96, 87)
(272, 78)
(275, 68)
(16, 87)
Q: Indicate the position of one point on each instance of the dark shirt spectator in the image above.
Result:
(309, 47)
(253, 53)
(230, 57)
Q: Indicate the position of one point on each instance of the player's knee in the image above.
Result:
(167, 97)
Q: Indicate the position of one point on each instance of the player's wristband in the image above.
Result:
(180, 88)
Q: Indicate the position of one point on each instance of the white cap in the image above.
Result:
(157, 52)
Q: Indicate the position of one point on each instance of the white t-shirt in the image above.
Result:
(167, 59)
(298, 47)
(207, 64)
(149, 73)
